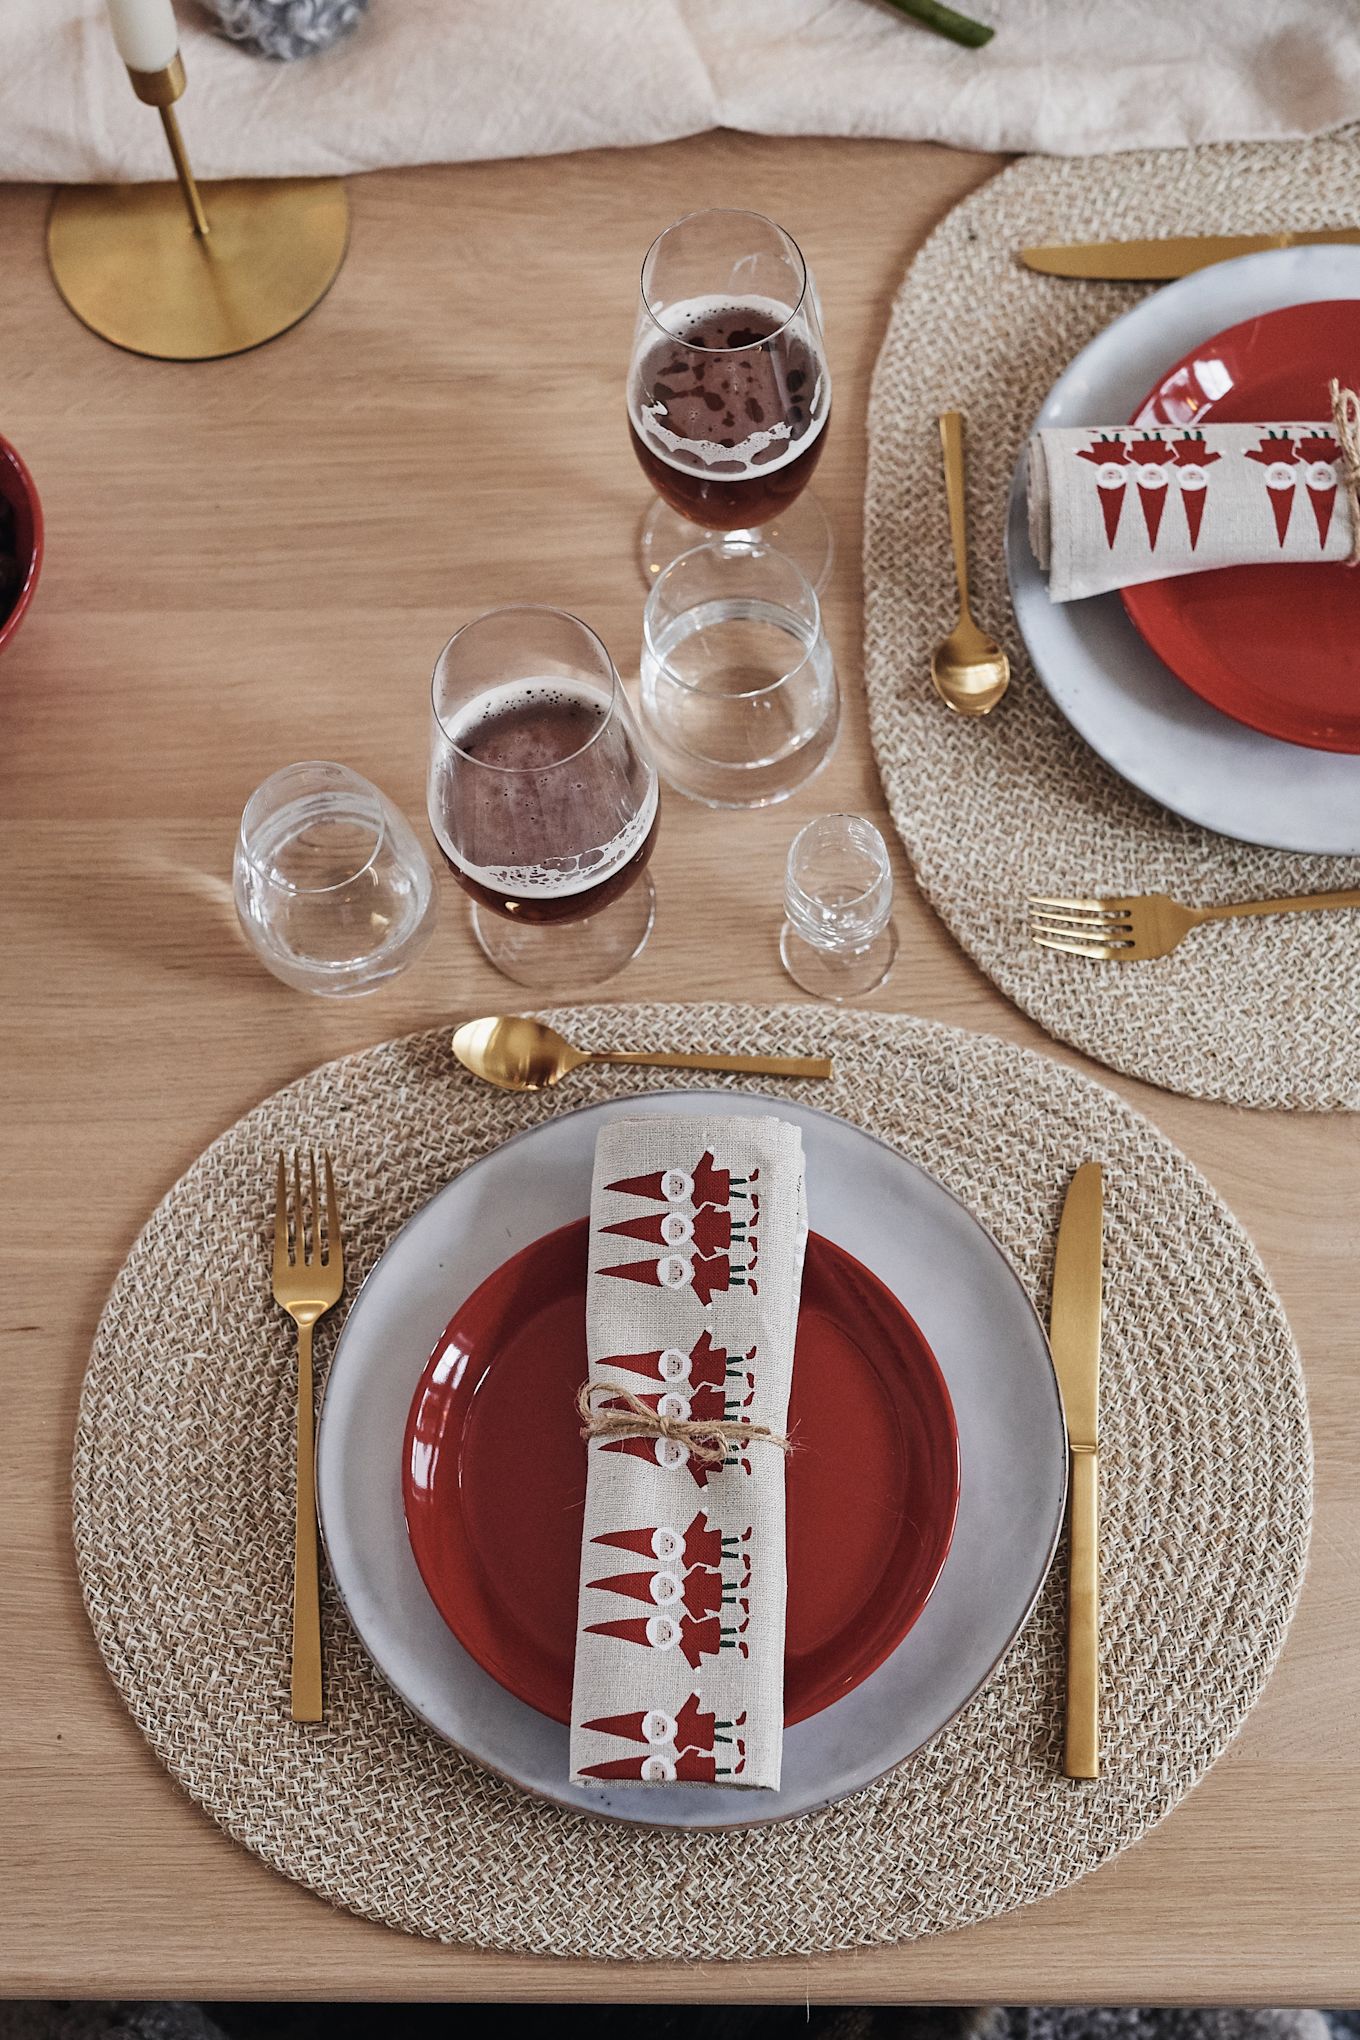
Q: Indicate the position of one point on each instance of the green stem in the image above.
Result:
(958, 27)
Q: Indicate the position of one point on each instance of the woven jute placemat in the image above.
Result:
(1258, 1012)
(183, 1522)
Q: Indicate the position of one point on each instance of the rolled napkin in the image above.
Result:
(697, 1232)
(1113, 506)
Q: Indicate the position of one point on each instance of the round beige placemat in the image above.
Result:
(1258, 1012)
(183, 1522)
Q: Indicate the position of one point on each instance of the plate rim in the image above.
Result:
(563, 1799)
(933, 1370)
(1130, 596)
(1030, 601)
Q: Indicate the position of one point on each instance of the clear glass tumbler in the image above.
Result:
(333, 890)
(739, 696)
(838, 939)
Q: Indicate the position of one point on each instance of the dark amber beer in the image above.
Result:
(528, 812)
(728, 409)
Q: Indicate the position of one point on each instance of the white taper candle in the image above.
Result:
(145, 33)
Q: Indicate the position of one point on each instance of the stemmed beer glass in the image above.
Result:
(542, 797)
(728, 390)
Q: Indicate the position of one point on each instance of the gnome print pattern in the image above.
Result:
(1292, 460)
(1144, 463)
(672, 1608)
(698, 1608)
(1286, 462)
(684, 1746)
(702, 1385)
(701, 1240)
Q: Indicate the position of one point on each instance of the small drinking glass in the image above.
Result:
(739, 695)
(542, 796)
(838, 939)
(333, 890)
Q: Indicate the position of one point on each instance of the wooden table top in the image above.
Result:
(256, 560)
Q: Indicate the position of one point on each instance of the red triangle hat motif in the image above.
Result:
(639, 1541)
(1282, 503)
(640, 1186)
(628, 1628)
(649, 1272)
(645, 1448)
(631, 1767)
(648, 1364)
(1324, 503)
(1156, 453)
(628, 1727)
(1190, 451)
(634, 1586)
(1278, 448)
(633, 1727)
(1194, 501)
(1320, 449)
(652, 1227)
(1114, 453)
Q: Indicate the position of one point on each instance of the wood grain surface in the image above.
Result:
(257, 560)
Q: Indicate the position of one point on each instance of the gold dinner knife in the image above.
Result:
(1074, 1333)
(1156, 261)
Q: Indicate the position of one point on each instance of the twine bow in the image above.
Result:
(1346, 420)
(708, 1438)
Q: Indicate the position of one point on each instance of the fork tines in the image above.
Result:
(306, 1231)
(1099, 928)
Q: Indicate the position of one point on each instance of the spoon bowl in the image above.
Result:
(970, 670)
(514, 1053)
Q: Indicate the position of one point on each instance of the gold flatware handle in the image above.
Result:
(1156, 261)
(1298, 903)
(738, 1065)
(951, 446)
(1082, 1755)
(306, 1576)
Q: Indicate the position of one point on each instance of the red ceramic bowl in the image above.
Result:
(18, 490)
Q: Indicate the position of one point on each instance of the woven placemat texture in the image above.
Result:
(183, 1521)
(1258, 1012)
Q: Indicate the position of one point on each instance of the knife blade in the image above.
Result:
(1074, 1335)
(1157, 261)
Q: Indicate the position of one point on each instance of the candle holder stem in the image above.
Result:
(161, 89)
(198, 219)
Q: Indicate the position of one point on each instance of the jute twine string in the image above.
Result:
(183, 1484)
(1258, 1012)
(706, 1437)
(1346, 420)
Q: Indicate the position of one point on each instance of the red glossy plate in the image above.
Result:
(1274, 647)
(493, 1474)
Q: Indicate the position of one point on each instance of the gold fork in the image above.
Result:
(309, 1274)
(1130, 931)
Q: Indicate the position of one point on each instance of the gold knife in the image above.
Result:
(1074, 1333)
(1156, 261)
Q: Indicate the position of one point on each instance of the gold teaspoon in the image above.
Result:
(970, 670)
(520, 1054)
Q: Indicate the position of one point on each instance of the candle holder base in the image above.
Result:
(130, 266)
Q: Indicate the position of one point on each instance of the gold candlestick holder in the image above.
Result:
(165, 270)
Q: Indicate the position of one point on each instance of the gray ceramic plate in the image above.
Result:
(931, 1253)
(1113, 688)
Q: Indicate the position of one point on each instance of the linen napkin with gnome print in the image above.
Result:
(1111, 507)
(697, 1232)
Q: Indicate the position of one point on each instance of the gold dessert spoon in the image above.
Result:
(970, 670)
(521, 1054)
